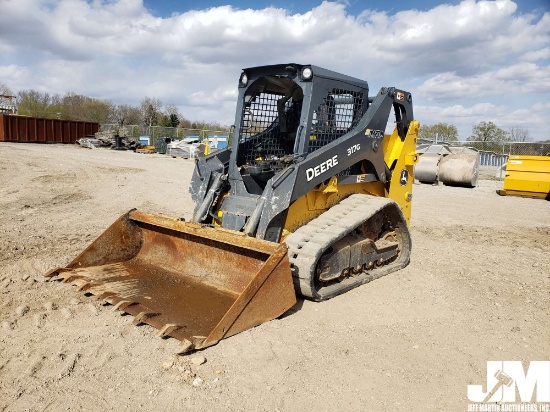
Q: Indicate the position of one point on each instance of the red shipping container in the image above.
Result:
(14, 128)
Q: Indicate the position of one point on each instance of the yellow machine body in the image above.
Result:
(399, 153)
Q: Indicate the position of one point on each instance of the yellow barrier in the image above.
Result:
(527, 176)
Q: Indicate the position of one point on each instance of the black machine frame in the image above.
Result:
(296, 126)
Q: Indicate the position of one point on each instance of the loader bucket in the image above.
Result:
(195, 283)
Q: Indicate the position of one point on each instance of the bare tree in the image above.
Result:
(150, 110)
(185, 123)
(125, 114)
(519, 135)
(7, 100)
(5, 90)
(171, 109)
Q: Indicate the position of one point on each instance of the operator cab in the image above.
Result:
(285, 112)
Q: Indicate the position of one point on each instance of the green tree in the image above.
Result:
(488, 136)
(97, 111)
(36, 104)
(442, 132)
(170, 120)
(488, 132)
(73, 106)
(78, 107)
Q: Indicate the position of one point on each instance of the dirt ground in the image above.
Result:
(477, 289)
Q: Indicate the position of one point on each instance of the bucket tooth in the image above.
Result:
(167, 329)
(185, 347)
(103, 295)
(68, 278)
(142, 317)
(54, 272)
(83, 286)
(123, 304)
(198, 341)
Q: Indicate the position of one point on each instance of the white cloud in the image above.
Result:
(534, 55)
(472, 55)
(519, 78)
(530, 117)
(13, 72)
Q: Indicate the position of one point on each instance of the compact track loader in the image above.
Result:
(311, 197)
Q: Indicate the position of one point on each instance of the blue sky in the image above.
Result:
(165, 8)
(463, 61)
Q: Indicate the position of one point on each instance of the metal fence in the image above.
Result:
(513, 148)
(155, 132)
(496, 154)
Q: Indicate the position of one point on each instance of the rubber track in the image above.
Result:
(307, 244)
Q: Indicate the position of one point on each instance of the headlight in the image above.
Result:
(244, 79)
(307, 73)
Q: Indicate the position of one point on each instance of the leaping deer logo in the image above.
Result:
(404, 179)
